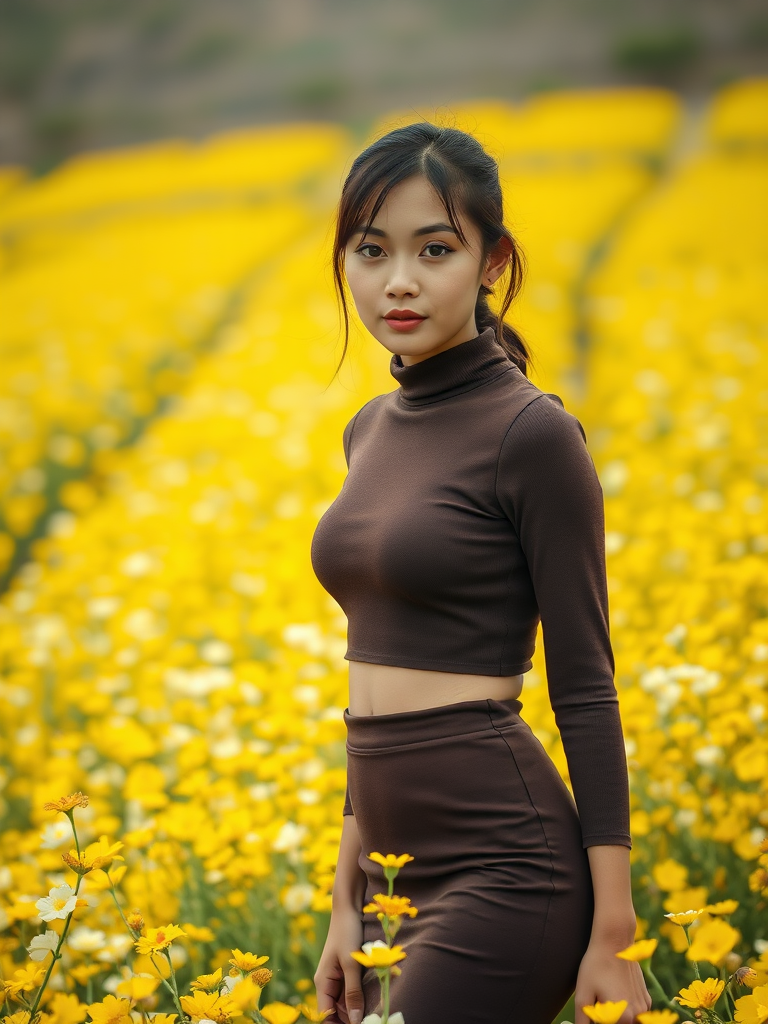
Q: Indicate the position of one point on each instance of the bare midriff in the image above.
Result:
(389, 689)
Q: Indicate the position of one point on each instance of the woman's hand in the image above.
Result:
(338, 975)
(606, 977)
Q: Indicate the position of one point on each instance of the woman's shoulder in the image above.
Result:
(543, 422)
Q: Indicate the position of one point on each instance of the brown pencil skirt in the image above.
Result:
(500, 878)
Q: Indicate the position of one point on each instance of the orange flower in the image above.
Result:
(390, 906)
(67, 803)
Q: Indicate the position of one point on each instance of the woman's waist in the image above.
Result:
(376, 690)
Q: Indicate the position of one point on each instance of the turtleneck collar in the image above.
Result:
(462, 368)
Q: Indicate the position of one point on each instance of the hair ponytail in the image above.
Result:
(465, 177)
(508, 337)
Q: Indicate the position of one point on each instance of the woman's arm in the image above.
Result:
(614, 919)
(603, 976)
(548, 487)
(350, 880)
(338, 976)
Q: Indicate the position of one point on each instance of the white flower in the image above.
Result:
(87, 940)
(42, 945)
(56, 833)
(708, 755)
(290, 836)
(216, 652)
(58, 904)
(115, 948)
(297, 897)
(374, 1018)
(368, 946)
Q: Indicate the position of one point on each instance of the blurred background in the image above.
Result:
(85, 74)
(171, 427)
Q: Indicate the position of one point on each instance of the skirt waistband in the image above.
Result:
(456, 719)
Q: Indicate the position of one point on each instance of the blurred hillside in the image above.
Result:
(88, 74)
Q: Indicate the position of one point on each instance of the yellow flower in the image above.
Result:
(208, 982)
(639, 950)
(261, 977)
(713, 941)
(670, 875)
(163, 1018)
(202, 934)
(25, 979)
(682, 900)
(279, 1013)
(83, 972)
(96, 855)
(158, 938)
(658, 1017)
(20, 1017)
(745, 976)
(111, 1011)
(684, 917)
(605, 1013)
(309, 1013)
(246, 962)
(209, 1006)
(136, 922)
(753, 1009)
(66, 1008)
(138, 986)
(390, 906)
(245, 993)
(390, 861)
(723, 907)
(379, 954)
(67, 803)
(701, 994)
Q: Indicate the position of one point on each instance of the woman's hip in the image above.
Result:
(462, 787)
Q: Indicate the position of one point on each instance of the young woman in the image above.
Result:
(471, 510)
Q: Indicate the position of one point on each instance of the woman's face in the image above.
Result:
(412, 261)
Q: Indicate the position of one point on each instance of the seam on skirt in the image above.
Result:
(546, 840)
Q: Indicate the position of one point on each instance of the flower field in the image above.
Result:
(170, 435)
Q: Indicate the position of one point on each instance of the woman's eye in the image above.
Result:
(437, 245)
(370, 245)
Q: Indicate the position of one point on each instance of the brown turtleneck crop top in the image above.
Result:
(471, 510)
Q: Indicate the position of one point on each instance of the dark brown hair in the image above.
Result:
(465, 177)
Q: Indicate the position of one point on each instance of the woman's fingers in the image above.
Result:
(328, 984)
(353, 993)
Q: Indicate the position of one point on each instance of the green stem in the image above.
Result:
(120, 909)
(695, 965)
(660, 993)
(71, 816)
(174, 995)
(385, 1000)
(56, 954)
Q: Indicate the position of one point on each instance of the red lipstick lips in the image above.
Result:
(403, 319)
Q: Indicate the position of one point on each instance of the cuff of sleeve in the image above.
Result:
(613, 839)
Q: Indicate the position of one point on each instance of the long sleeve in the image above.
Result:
(548, 487)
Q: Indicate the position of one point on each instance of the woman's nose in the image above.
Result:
(402, 280)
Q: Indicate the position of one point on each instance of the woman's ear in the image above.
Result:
(496, 261)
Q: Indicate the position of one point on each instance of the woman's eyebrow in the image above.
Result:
(360, 229)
